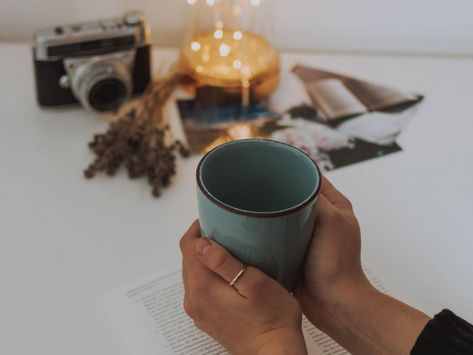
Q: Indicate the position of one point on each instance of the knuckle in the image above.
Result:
(335, 216)
(188, 309)
(199, 324)
(258, 280)
(181, 243)
(217, 258)
(260, 277)
(349, 203)
(197, 312)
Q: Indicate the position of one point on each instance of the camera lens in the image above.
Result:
(102, 86)
(107, 95)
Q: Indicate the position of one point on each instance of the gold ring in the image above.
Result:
(237, 277)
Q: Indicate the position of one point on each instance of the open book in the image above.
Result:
(338, 96)
(148, 315)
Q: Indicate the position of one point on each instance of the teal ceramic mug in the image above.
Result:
(257, 198)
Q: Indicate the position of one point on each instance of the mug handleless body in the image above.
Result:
(276, 245)
(276, 234)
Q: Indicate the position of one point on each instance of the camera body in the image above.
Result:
(99, 64)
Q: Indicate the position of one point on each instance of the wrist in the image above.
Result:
(357, 318)
(336, 301)
(283, 341)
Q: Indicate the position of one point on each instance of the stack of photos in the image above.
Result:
(337, 120)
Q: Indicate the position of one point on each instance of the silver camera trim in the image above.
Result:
(131, 24)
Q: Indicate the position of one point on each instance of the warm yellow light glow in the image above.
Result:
(218, 34)
(195, 46)
(240, 131)
(224, 50)
(246, 70)
(237, 35)
(228, 48)
(219, 61)
(236, 64)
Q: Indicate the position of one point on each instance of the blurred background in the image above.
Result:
(400, 26)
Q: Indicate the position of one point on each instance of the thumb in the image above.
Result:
(217, 258)
(335, 197)
(325, 208)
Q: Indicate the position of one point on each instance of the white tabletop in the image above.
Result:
(65, 241)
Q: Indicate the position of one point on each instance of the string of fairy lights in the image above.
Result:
(222, 53)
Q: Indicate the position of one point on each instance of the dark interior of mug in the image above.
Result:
(259, 176)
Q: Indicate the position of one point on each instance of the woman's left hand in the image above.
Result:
(256, 316)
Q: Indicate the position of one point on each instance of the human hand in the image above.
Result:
(335, 294)
(333, 267)
(256, 316)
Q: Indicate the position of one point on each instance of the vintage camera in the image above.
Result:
(99, 64)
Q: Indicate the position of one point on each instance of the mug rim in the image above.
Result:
(313, 196)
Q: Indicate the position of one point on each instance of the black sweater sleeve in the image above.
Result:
(445, 334)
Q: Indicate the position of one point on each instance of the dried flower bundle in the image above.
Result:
(140, 140)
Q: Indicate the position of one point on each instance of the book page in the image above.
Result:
(377, 97)
(149, 317)
(333, 98)
(373, 96)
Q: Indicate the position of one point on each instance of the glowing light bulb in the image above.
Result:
(195, 46)
(191, 2)
(224, 50)
(237, 35)
(255, 2)
(236, 64)
(210, 2)
(199, 69)
(218, 34)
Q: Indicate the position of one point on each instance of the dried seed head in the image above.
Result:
(136, 141)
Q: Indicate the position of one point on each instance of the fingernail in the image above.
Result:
(201, 246)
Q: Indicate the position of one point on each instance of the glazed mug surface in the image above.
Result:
(257, 198)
